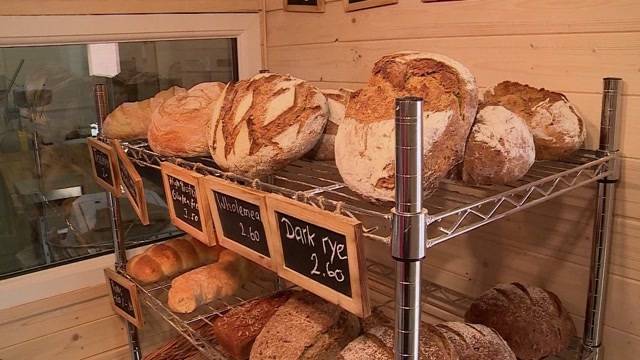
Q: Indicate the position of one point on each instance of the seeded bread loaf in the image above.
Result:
(365, 143)
(337, 101)
(261, 124)
(531, 320)
(500, 148)
(557, 128)
(474, 342)
(178, 125)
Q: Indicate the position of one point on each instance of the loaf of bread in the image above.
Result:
(207, 283)
(262, 124)
(532, 320)
(178, 125)
(237, 330)
(365, 143)
(131, 120)
(337, 101)
(500, 148)
(557, 128)
(375, 343)
(169, 258)
(472, 341)
(305, 327)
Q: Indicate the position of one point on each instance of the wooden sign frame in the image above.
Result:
(105, 148)
(365, 4)
(207, 235)
(358, 303)
(209, 184)
(318, 8)
(110, 274)
(139, 201)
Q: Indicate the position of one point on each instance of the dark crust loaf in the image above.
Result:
(475, 342)
(237, 330)
(531, 320)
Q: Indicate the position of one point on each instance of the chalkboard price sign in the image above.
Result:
(187, 203)
(131, 183)
(240, 219)
(102, 157)
(320, 251)
(124, 297)
(351, 5)
(304, 5)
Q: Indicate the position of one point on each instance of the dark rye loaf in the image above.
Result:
(475, 342)
(531, 320)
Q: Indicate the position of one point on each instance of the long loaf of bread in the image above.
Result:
(164, 260)
(207, 283)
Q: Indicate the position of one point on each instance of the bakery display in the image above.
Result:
(473, 341)
(170, 258)
(237, 329)
(557, 128)
(337, 101)
(305, 327)
(262, 124)
(178, 125)
(500, 148)
(131, 120)
(532, 320)
(365, 142)
(207, 283)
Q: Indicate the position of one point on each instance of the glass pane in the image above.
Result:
(51, 210)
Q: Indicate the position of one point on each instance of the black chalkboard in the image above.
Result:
(241, 222)
(355, 1)
(127, 181)
(302, 2)
(315, 252)
(185, 202)
(122, 298)
(102, 165)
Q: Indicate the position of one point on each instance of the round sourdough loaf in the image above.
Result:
(365, 143)
(531, 320)
(500, 148)
(474, 342)
(557, 128)
(178, 125)
(337, 101)
(261, 124)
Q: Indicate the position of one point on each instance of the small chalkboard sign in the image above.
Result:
(321, 252)
(102, 161)
(124, 297)
(131, 183)
(240, 218)
(304, 5)
(187, 203)
(351, 5)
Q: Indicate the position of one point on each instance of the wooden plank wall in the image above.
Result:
(567, 46)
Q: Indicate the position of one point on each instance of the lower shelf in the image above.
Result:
(439, 304)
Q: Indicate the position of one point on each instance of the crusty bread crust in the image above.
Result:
(337, 101)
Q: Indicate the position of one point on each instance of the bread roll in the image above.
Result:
(473, 341)
(131, 120)
(169, 258)
(365, 143)
(305, 327)
(500, 148)
(262, 124)
(207, 283)
(531, 320)
(337, 101)
(557, 128)
(178, 125)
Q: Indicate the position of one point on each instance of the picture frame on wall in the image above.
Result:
(304, 5)
(352, 5)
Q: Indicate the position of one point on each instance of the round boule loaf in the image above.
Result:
(262, 124)
(557, 128)
(365, 142)
(178, 125)
(531, 320)
(337, 101)
(475, 342)
(500, 148)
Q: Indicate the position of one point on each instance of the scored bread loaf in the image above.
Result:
(237, 329)
(375, 343)
(365, 142)
(337, 101)
(305, 327)
(473, 341)
(500, 148)
(169, 258)
(131, 120)
(532, 320)
(261, 124)
(207, 283)
(178, 125)
(558, 130)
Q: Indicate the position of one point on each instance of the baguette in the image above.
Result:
(164, 260)
(207, 283)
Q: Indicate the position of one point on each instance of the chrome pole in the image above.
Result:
(603, 223)
(408, 238)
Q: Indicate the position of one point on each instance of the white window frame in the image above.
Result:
(84, 29)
